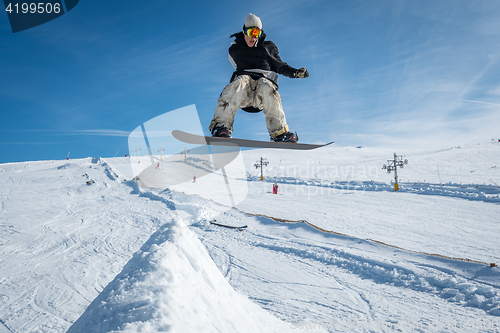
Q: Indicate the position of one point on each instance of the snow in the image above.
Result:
(171, 284)
(84, 248)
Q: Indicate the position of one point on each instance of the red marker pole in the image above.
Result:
(275, 185)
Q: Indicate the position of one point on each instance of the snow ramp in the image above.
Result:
(172, 285)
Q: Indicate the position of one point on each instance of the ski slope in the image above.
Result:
(85, 249)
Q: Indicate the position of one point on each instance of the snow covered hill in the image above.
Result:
(84, 249)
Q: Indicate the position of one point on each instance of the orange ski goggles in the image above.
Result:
(253, 32)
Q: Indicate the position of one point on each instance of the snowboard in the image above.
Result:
(243, 143)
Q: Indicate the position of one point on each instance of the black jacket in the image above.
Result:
(259, 61)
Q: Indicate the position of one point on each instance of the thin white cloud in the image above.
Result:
(96, 132)
(480, 102)
(101, 132)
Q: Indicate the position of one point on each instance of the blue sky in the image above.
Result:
(382, 73)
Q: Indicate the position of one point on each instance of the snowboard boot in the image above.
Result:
(221, 132)
(286, 137)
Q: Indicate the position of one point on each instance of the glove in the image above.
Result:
(302, 73)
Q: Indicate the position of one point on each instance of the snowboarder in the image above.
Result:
(254, 84)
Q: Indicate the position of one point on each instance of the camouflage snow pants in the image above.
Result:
(246, 92)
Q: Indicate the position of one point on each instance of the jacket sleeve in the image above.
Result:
(232, 56)
(282, 67)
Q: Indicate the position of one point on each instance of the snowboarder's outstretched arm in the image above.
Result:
(283, 68)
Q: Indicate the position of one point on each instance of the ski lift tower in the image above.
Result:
(161, 150)
(261, 164)
(185, 153)
(392, 165)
